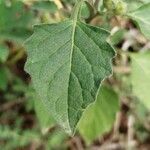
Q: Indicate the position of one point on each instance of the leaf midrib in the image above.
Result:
(71, 53)
(74, 21)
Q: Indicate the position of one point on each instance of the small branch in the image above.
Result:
(19, 55)
(117, 125)
(96, 4)
(78, 143)
(130, 141)
(111, 146)
(76, 10)
(58, 3)
(122, 69)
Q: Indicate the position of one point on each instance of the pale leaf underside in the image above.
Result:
(67, 62)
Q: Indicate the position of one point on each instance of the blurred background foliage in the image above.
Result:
(120, 117)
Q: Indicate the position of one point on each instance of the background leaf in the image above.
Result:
(45, 6)
(140, 77)
(99, 116)
(15, 21)
(142, 17)
(134, 4)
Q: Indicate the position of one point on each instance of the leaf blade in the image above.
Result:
(97, 120)
(140, 77)
(141, 16)
(59, 61)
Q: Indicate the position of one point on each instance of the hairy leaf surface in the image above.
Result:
(45, 120)
(67, 62)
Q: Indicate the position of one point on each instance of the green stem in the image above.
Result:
(76, 11)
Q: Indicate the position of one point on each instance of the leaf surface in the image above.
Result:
(98, 119)
(15, 21)
(67, 62)
(134, 4)
(140, 77)
(14, 16)
(47, 5)
(45, 120)
(142, 17)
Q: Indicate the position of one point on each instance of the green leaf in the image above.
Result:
(45, 6)
(4, 52)
(134, 4)
(19, 35)
(140, 77)
(85, 10)
(99, 117)
(15, 15)
(15, 20)
(45, 120)
(67, 62)
(142, 17)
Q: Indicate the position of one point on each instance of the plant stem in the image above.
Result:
(76, 10)
(96, 4)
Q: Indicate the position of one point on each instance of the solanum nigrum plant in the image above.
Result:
(69, 60)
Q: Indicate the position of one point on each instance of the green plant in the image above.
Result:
(68, 61)
(89, 67)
